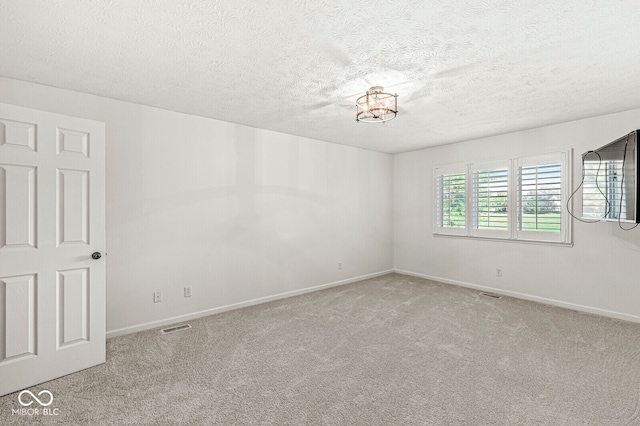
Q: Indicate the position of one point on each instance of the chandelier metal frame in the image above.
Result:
(376, 106)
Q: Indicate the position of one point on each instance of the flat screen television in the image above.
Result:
(610, 181)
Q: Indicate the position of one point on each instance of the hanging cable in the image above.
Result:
(608, 205)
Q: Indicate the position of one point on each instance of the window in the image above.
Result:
(518, 199)
(490, 199)
(451, 190)
(542, 195)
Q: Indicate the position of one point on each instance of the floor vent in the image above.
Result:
(176, 328)
(493, 296)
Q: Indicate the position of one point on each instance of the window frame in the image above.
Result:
(475, 168)
(512, 233)
(563, 235)
(450, 170)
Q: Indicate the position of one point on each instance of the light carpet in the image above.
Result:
(392, 350)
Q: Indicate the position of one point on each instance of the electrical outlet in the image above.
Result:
(157, 297)
(498, 272)
(187, 292)
(339, 265)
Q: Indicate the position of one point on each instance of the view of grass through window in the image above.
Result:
(538, 205)
(490, 199)
(451, 200)
(519, 199)
(540, 195)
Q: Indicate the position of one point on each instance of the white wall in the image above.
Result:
(598, 274)
(237, 213)
(241, 214)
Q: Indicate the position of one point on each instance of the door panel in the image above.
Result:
(52, 218)
(18, 134)
(18, 297)
(73, 307)
(72, 142)
(73, 207)
(18, 218)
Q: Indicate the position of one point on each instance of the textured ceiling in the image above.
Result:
(462, 69)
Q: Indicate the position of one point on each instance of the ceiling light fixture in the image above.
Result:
(376, 106)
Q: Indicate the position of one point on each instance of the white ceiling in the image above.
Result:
(462, 69)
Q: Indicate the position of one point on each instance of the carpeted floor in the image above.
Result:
(393, 350)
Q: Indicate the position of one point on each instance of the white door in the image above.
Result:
(52, 219)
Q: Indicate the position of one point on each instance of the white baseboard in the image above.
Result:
(553, 302)
(207, 312)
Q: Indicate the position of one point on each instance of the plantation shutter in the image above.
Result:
(541, 211)
(451, 201)
(490, 199)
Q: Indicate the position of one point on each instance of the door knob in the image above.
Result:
(96, 255)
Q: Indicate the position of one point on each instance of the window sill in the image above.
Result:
(506, 240)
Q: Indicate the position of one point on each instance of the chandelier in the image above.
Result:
(376, 106)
